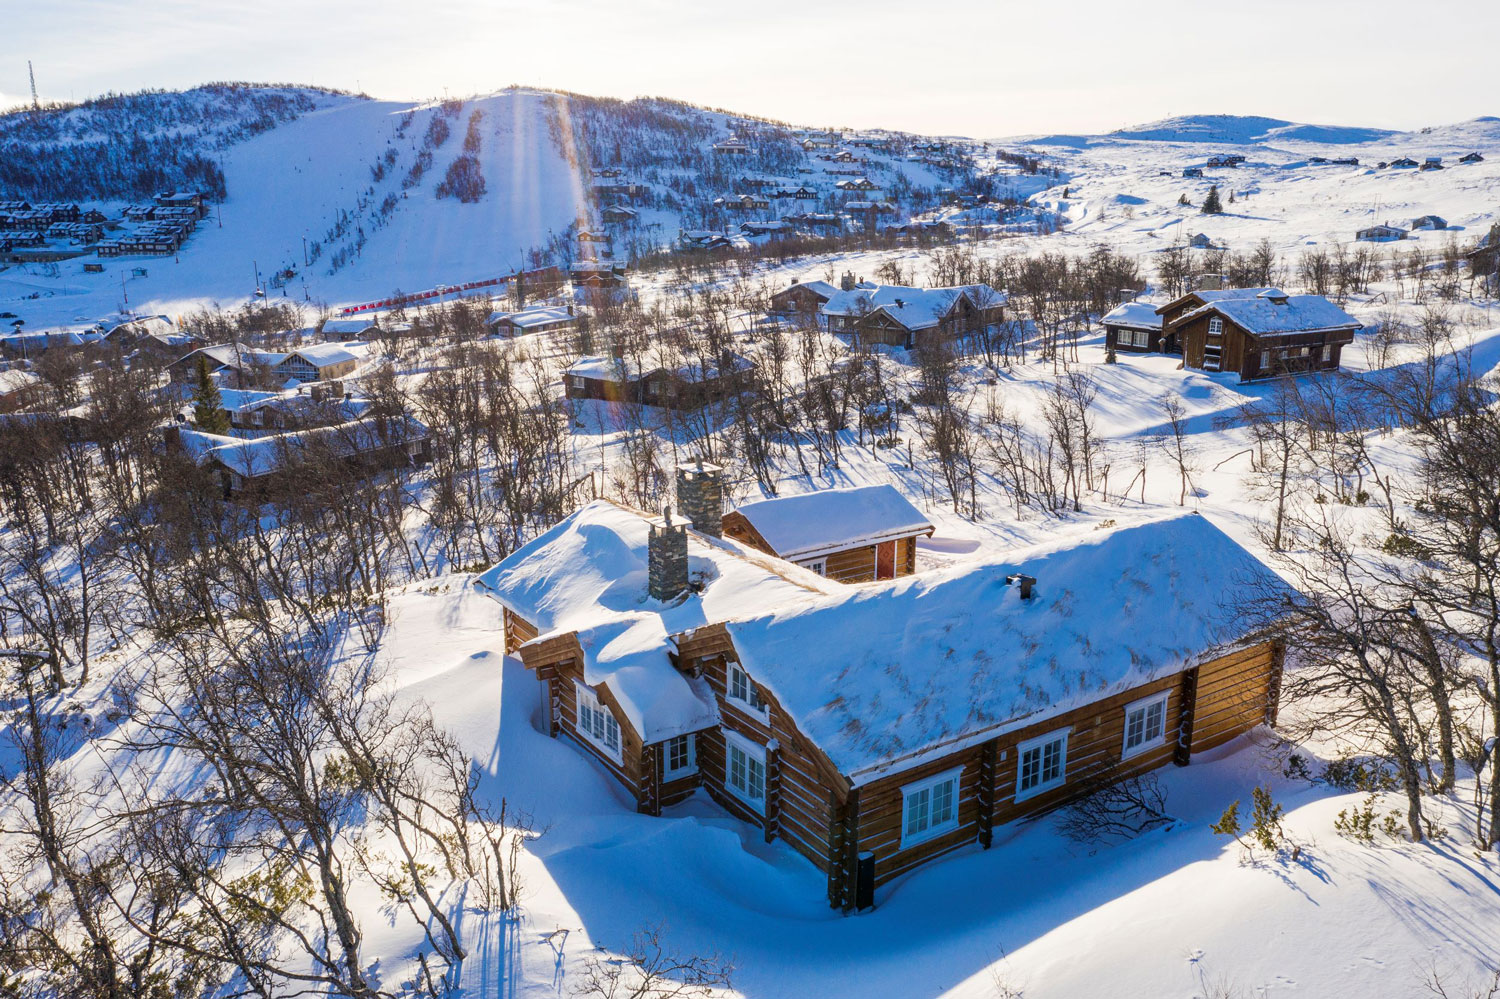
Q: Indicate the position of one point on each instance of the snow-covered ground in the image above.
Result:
(1176, 912)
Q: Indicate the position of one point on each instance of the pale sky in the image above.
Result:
(934, 66)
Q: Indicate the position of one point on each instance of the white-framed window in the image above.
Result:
(929, 807)
(1145, 724)
(820, 566)
(596, 723)
(1265, 359)
(575, 381)
(1327, 353)
(680, 757)
(1041, 764)
(742, 691)
(1215, 326)
(745, 770)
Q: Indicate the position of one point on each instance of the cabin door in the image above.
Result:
(885, 560)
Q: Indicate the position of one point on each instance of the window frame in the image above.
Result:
(585, 696)
(753, 752)
(1041, 742)
(1215, 326)
(1327, 353)
(1163, 698)
(752, 704)
(688, 769)
(818, 565)
(926, 785)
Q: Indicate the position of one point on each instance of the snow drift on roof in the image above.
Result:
(1264, 315)
(588, 574)
(1141, 314)
(831, 519)
(876, 673)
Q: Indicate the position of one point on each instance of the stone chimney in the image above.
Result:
(700, 496)
(1210, 282)
(666, 558)
(847, 282)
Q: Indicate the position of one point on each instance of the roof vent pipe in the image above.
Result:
(1026, 582)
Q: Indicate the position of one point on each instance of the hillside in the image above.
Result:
(327, 198)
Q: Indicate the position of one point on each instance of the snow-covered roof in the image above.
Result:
(256, 456)
(1219, 295)
(15, 379)
(1141, 314)
(1266, 314)
(877, 675)
(236, 355)
(916, 303)
(536, 315)
(322, 355)
(588, 575)
(603, 368)
(832, 519)
(349, 327)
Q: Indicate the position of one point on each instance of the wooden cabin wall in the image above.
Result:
(518, 631)
(1235, 694)
(799, 788)
(1228, 696)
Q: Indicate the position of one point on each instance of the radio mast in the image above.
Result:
(36, 105)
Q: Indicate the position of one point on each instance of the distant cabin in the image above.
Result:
(534, 319)
(686, 386)
(1133, 327)
(902, 316)
(804, 299)
(1192, 171)
(731, 147)
(1201, 241)
(875, 728)
(1429, 222)
(1403, 162)
(277, 465)
(350, 329)
(849, 535)
(1432, 163)
(1380, 234)
(619, 215)
(1471, 158)
(1261, 335)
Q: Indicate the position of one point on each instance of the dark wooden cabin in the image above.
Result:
(1270, 334)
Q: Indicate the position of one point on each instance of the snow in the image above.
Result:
(536, 315)
(1269, 313)
(262, 455)
(1139, 314)
(589, 574)
(876, 675)
(321, 355)
(832, 519)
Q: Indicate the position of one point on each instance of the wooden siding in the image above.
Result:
(850, 565)
(1235, 693)
(518, 631)
(1242, 350)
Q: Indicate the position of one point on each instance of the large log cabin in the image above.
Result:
(1269, 334)
(849, 535)
(875, 728)
(902, 316)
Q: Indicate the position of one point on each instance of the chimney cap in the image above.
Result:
(697, 465)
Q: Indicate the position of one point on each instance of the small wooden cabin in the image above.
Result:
(1270, 334)
(1135, 327)
(689, 385)
(855, 535)
(903, 317)
(874, 729)
(1380, 233)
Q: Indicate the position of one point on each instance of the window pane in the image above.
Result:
(1030, 764)
(757, 787)
(916, 812)
(942, 802)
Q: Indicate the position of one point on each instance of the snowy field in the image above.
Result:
(1175, 912)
